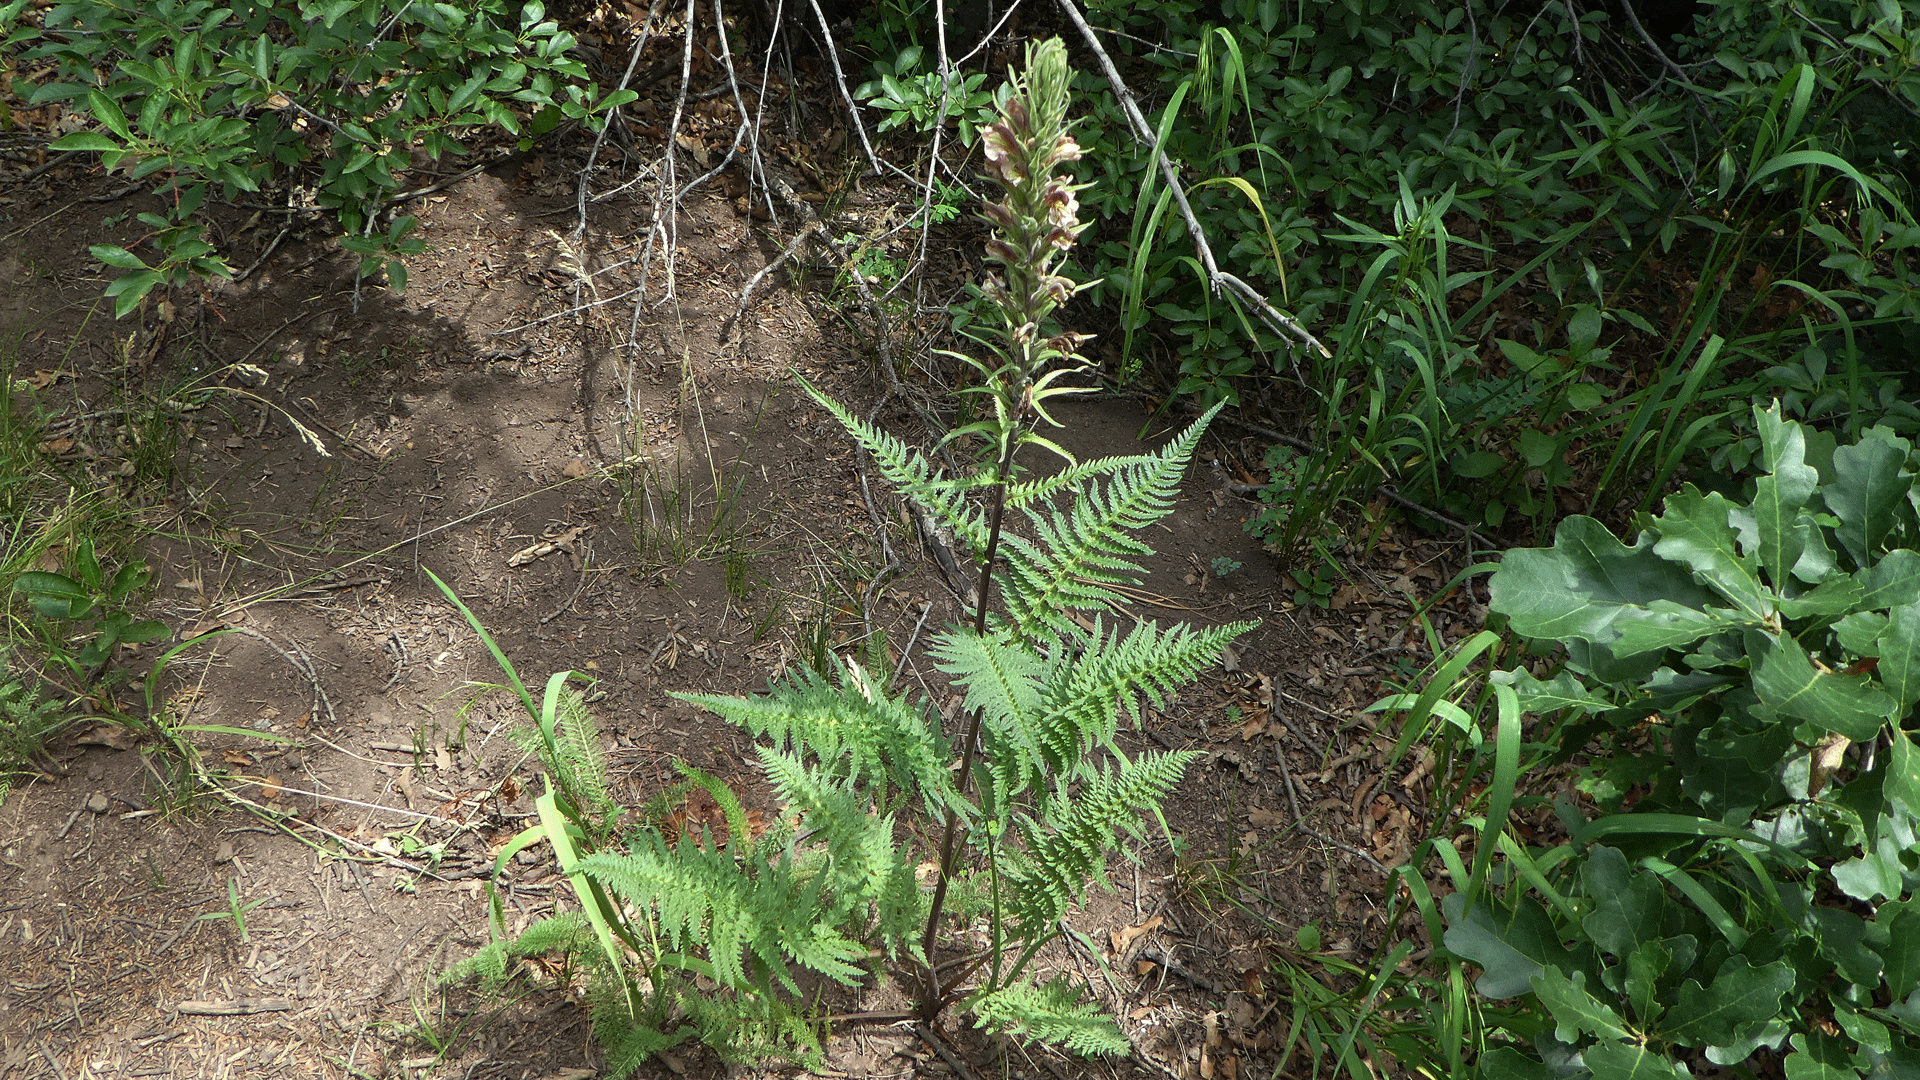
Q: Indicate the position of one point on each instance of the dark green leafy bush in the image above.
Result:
(1515, 227)
(1738, 886)
(259, 94)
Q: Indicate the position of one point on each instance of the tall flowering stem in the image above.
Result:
(1036, 222)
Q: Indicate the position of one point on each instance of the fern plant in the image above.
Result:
(723, 934)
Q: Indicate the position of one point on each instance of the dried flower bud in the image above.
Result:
(1018, 119)
(1063, 210)
(1001, 147)
(998, 215)
(1068, 343)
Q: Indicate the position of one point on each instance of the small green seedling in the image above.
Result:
(86, 593)
(236, 910)
(1222, 566)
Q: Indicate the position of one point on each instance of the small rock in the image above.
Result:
(97, 803)
(224, 854)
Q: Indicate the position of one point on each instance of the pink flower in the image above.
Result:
(1002, 149)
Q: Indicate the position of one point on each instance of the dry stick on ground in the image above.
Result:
(666, 220)
(884, 333)
(764, 188)
(840, 79)
(626, 77)
(749, 129)
(302, 663)
(754, 283)
(1217, 279)
(949, 73)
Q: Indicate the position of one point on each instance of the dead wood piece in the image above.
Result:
(233, 1006)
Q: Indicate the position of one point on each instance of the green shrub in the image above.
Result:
(1484, 210)
(1737, 703)
(260, 94)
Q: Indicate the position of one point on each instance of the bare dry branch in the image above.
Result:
(840, 78)
(1143, 133)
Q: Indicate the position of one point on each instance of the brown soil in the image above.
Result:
(474, 428)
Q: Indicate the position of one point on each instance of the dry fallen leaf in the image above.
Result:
(1262, 818)
(1120, 939)
(109, 735)
(1828, 756)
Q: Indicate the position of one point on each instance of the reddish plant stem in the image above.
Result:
(934, 1001)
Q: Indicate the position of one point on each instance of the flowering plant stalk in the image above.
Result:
(1037, 222)
(702, 936)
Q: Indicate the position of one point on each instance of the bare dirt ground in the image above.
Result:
(615, 491)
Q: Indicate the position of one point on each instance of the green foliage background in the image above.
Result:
(1551, 264)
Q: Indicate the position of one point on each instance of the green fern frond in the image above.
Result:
(875, 736)
(862, 865)
(1087, 694)
(701, 895)
(584, 772)
(748, 1028)
(567, 934)
(909, 470)
(739, 830)
(1005, 681)
(1052, 1014)
(574, 760)
(629, 1043)
(1077, 554)
(1022, 492)
(1071, 845)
